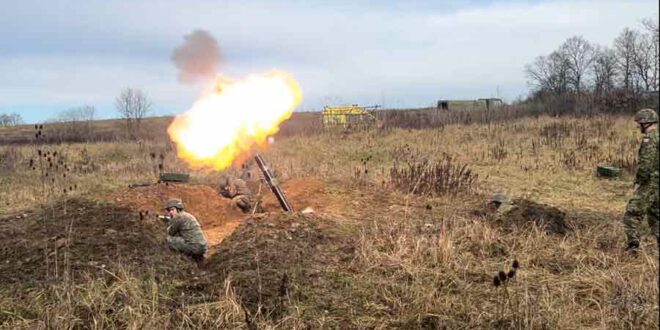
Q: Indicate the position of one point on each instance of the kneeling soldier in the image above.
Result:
(238, 191)
(184, 233)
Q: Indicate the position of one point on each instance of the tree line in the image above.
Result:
(607, 77)
(10, 119)
(77, 124)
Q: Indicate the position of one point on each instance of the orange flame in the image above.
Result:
(224, 125)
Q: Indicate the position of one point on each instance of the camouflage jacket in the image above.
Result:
(235, 188)
(186, 226)
(647, 172)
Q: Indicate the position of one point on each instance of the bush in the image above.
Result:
(433, 178)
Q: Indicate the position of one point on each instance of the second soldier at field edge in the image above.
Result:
(644, 201)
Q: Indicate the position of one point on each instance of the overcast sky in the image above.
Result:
(62, 54)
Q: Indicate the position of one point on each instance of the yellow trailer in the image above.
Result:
(348, 117)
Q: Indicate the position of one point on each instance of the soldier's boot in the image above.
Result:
(243, 203)
(198, 258)
(654, 223)
(631, 220)
(633, 248)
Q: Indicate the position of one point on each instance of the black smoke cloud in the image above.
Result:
(198, 58)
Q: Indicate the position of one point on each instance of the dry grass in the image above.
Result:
(420, 261)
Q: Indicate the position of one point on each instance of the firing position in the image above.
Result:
(237, 190)
(644, 201)
(184, 234)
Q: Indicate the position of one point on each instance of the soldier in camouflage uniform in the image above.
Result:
(237, 190)
(645, 192)
(184, 233)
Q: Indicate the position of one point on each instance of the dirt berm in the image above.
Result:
(82, 238)
(276, 257)
(525, 213)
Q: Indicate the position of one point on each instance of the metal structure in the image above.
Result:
(478, 104)
(349, 116)
(272, 183)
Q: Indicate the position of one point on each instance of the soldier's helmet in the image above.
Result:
(174, 203)
(498, 198)
(646, 116)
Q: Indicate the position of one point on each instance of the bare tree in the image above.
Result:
(549, 74)
(580, 54)
(76, 124)
(10, 119)
(652, 37)
(624, 46)
(642, 62)
(604, 69)
(133, 105)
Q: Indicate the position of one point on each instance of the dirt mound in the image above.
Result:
(271, 257)
(300, 193)
(83, 237)
(525, 212)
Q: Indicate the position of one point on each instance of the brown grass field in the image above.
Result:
(400, 236)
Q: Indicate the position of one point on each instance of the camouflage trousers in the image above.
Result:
(242, 202)
(178, 244)
(640, 206)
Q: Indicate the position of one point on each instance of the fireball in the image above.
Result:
(238, 115)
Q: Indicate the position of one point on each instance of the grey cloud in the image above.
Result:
(198, 58)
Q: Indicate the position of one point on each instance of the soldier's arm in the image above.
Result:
(232, 189)
(174, 226)
(646, 161)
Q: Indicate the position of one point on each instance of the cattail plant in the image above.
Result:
(501, 281)
(498, 151)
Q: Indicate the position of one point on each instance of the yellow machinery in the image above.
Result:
(349, 117)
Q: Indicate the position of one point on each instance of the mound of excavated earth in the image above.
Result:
(271, 257)
(82, 237)
(526, 212)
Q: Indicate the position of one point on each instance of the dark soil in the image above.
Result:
(82, 237)
(525, 213)
(272, 257)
